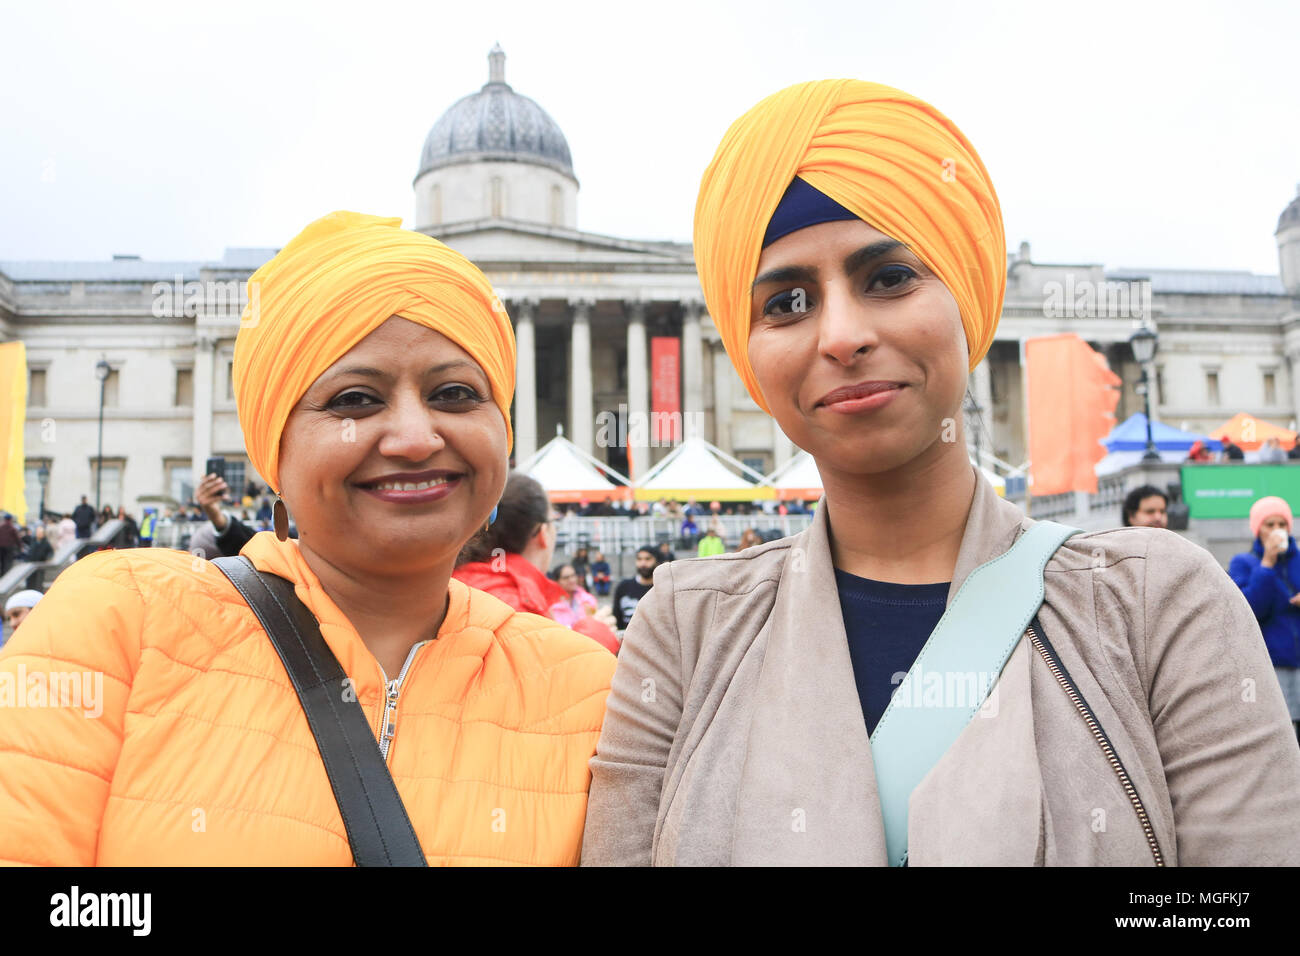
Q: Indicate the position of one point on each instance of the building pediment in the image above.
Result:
(506, 242)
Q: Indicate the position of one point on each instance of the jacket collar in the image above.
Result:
(283, 558)
(807, 717)
(992, 526)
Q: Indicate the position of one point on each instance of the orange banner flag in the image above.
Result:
(1072, 396)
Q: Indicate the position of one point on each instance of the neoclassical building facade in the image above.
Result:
(608, 329)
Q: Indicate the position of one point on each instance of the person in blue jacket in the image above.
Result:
(1269, 575)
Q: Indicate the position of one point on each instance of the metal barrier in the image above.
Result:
(1052, 506)
(176, 534)
(619, 533)
(618, 538)
(1110, 495)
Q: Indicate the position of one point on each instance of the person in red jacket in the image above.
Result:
(509, 558)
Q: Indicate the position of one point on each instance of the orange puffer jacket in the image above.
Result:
(146, 719)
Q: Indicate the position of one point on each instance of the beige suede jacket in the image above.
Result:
(1144, 725)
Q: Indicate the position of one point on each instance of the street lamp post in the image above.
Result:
(43, 476)
(102, 371)
(1143, 342)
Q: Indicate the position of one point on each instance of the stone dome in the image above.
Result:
(496, 123)
(1290, 215)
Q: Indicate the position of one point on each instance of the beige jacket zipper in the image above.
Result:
(1062, 678)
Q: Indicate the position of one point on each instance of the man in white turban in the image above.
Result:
(19, 606)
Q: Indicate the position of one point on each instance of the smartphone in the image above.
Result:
(216, 466)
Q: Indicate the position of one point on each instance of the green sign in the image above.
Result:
(1228, 490)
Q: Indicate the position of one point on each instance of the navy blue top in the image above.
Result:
(887, 625)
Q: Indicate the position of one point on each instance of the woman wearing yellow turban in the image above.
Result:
(813, 700)
(373, 372)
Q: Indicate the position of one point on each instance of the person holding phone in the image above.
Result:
(1269, 575)
(231, 534)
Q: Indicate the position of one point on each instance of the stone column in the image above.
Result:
(782, 447)
(981, 387)
(638, 386)
(205, 351)
(692, 370)
(723, 378)
(581, 403)
(1293, 373)
(1157, 397)
(525, 380)
(1018, 417)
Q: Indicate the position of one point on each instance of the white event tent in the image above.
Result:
(570, 475)
(700, 470)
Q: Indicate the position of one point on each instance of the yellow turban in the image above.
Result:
(892, 160)
(336, 282)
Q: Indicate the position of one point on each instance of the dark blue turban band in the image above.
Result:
(802, 206)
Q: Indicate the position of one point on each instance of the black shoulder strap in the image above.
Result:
(379, 831)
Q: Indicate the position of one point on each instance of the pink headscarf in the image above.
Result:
(1267, 507)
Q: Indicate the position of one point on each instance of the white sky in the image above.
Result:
(1125, 133)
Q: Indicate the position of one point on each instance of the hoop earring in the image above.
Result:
(491, 518)
(280, 517)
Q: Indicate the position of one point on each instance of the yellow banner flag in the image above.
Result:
(13, 416)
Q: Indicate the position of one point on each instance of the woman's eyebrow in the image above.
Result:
(361, 370)
(368, 372)
(855, 261)
(786, 274)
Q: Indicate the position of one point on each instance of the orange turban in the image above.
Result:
(892, 160)
(336, 282)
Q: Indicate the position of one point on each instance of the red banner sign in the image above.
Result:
(665, 389)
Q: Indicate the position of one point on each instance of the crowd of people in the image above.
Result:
(1271, 452)
(223, 527)
(671, 508)
(39, 541)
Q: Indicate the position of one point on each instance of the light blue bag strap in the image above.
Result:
(967, 651)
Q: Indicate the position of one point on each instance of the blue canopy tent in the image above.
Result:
(1131, 435)
(1127, 444)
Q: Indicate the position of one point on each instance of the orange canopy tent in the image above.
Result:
(1248, 432)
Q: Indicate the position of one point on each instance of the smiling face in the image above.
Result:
(396, 454)
(838, 305)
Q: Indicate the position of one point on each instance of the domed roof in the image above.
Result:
(496, 123)
(1290, 215)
